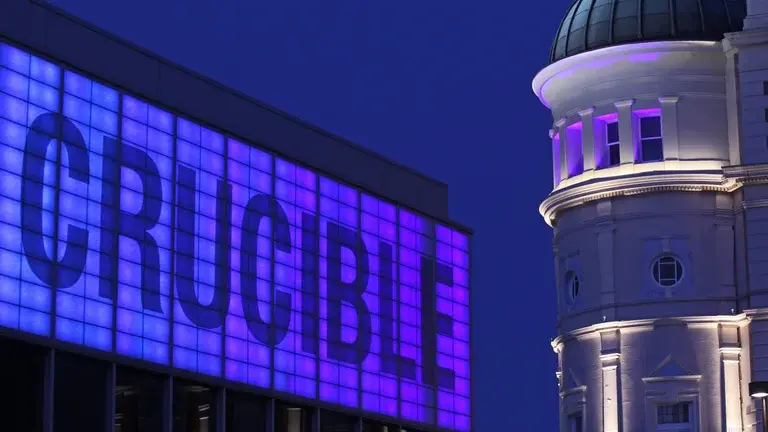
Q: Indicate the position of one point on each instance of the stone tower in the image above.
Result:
(660, 212)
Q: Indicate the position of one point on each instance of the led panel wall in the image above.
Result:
(131, 230)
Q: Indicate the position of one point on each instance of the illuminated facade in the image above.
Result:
(660, 170)
(176, 256)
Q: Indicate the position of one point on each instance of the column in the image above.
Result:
(626, 134)
(669, 132)
(556, 164)
(724, 240)
(221, 409)
(48, 371)
(316, 420)
(609, 361)
(563, 133)
(168, 405)
(270, 418)
(605, 232)
(730, 353)
(560, 386)
(110, 397)
(588, 140)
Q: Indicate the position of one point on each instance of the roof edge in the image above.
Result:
(208, 80)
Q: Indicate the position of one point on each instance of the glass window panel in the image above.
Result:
(331, 421)
(246, 413)
(291, 418)
(194, 407)
(87, 378)
(614, 155)
(22, 375)
(612, 132)
(653, 150)
(139, 400)
(650, 127)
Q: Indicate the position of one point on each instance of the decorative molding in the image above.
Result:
(573, 391)
(744, 38)
(669, 100)
(594, 330)
(625, 103)
(682, 181)
(672, 378)
(726, 180)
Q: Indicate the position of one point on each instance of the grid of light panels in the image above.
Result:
(181, 246)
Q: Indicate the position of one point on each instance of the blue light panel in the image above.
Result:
(127, 229)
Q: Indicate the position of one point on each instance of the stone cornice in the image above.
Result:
(594, 330)
(746, 173)
(654, 181)
(728, 179)
(745, 38)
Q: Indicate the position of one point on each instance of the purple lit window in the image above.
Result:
(574, 155)
(613, 144)
(556, 159)
(651, 142)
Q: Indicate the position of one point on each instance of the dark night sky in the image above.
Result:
(443, 87)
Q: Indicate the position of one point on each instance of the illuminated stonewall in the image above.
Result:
(180, 246)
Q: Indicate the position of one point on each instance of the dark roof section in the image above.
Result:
(52, 32)
(593, 24)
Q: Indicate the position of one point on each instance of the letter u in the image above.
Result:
(211, 315)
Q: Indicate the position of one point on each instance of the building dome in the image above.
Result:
(593, 24)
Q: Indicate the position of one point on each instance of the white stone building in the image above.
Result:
(660, 213)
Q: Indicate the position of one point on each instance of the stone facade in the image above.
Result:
(661, 263)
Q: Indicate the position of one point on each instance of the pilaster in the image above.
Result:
(626, 134)
(733, 103)
(609, 361)
(563, 132)
(588, 140)
(730, 353)
(670, 133)
(605, 232)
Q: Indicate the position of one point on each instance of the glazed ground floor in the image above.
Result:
(50, 390)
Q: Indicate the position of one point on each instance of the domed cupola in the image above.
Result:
(593, 24)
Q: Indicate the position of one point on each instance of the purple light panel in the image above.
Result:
(191, 191)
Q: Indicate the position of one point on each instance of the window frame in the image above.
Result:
(641, 139)
(677, 262)
(611, 144)
(575, 422)
(670, 390)
(675, 427)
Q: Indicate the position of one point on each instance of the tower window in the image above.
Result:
(575, 423)
(765, 88)
(612, 142)
(674, 417)
(572, 287)
(651, 142)
(766, 115)
(667, 271)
